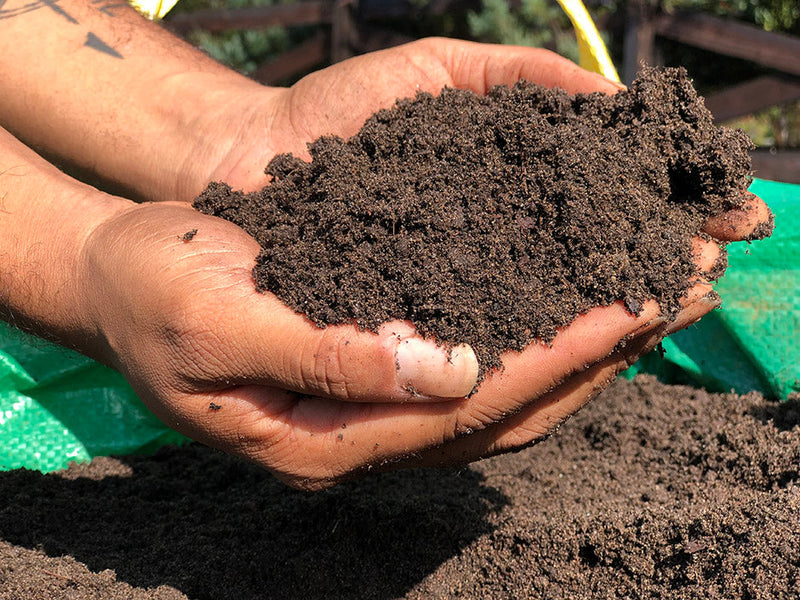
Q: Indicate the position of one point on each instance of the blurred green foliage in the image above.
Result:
(537, 23)
(772, 15)
(243, 50)
(776, 127)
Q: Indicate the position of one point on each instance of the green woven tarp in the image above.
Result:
(57, 406)
(751, 343)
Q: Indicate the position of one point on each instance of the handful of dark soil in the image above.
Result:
(495, 220)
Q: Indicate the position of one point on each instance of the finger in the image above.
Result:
(754, 220)
(552, 410)
(282, 348)
(533, 424)
(590, 338)
(541, 418)
(709, 258)
(480, 67)
(540, 368)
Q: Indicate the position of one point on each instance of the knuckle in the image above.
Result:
(322, 369)
(337, 367)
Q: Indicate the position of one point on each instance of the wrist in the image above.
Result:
(217, 126)
(43, 275)
(142, 114)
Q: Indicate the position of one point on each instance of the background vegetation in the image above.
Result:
(543, 23)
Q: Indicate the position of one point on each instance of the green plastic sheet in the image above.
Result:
(57, 406)
(751, 343)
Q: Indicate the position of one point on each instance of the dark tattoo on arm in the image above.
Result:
(107, 7)
(94, 42)
(9, 13)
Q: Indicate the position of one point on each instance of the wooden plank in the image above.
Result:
(781, 165)
(258, 17)
(441, 7)
(343, 30)
(384, 9)
(733, 38)
(377, 38)
(753, 96)
(398, 9)
(303, 58)
(639, 40)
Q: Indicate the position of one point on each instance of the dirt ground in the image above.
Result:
(652, 491)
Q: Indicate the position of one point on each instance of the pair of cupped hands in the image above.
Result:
(240, 371)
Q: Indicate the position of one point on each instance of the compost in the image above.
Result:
(492, 221)
(652, 491)
(495, 220)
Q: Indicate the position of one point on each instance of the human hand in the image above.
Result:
(180, 317)
(238, 370)
(283, 386)
(249, 130)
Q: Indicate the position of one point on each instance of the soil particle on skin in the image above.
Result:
(762, 230)
(189, 235)
(652, 491)
(495, 220)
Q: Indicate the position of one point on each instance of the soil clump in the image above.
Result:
(495, 220)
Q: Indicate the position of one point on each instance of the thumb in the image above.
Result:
(281, 348)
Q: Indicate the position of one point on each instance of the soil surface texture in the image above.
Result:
(495, 220)
(652, 491)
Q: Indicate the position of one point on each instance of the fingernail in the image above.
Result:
(431, 370)
(618, 84)
(712, 299)
(695, 311)
(650, 325)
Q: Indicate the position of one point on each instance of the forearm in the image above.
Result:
(96, 85)
(45, 219)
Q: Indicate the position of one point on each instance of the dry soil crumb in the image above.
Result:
(495, 220)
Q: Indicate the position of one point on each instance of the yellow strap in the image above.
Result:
(153, 9)
(593, 53)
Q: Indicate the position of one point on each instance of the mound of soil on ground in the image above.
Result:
(652, 491)
(495, 220)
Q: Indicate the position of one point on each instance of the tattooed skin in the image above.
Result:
(9, 10)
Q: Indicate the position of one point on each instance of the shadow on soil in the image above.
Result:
(214, 527)
(785, 416)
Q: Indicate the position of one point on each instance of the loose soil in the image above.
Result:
(652, 491)
(495, 220)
